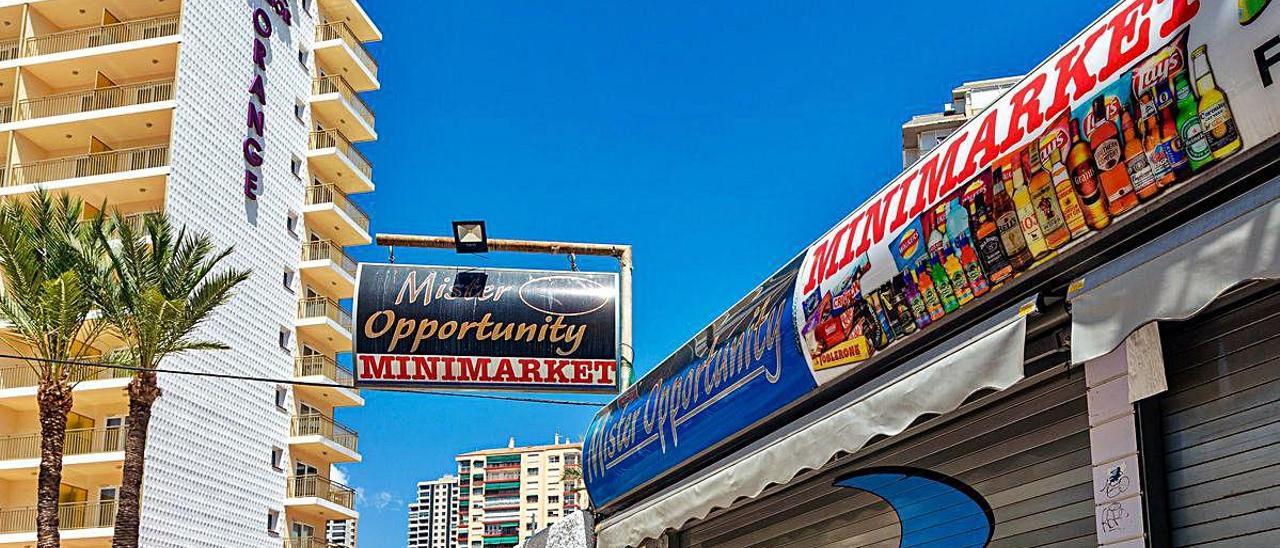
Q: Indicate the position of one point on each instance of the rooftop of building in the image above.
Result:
(511, 449)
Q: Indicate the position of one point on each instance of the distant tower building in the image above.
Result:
(506, 495)
(922, 133)
(341, 533)
(433, 517)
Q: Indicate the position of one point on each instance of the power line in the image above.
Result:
(229, 376)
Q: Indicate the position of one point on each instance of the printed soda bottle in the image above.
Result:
(1136, 160)
(915, 299)
(955, 272)
(942, 284)
(972, 267)
(990, 249)
(1084, 177)
(932, 302)
(1196, 143)
(1108, 157)
(1161, 164)
(1067, 198)
(1215, 113)
(1026, 210)
(1006, 217)
(1053, 225)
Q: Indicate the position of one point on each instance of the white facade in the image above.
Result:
(341, 533)
(433, 517)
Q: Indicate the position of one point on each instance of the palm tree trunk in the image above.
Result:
(54, 400)
(143, 393)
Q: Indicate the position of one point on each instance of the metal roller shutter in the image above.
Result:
(1026, 450)
(1221, 424)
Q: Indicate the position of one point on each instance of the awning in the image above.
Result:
(987, 356)
(1177, 274)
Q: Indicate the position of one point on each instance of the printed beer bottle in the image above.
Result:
(1048, 211)
(1006, 217)
(1084, 177)
(1067, 198)
(1136, 160)
(1215, 113)
(1174, 148)
(1189, 127)
(1108, 157)
(906, 318)
(1026, 210)
(1161, 164)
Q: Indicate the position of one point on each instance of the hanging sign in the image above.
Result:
(491, 329)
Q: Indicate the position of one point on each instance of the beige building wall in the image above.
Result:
(508, 494)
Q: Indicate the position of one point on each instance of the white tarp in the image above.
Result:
(987, 356)
(1179, 273)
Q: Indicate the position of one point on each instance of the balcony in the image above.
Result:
(323, 369)
(334, 101)
(333, 158)
(319, 499)
(10, 48)
(86, 520)
(331, 213)
(138, 96)
(87, 451)
(309, 542)
(338, 51)
(329, 270)
(92, 386)
(322, 320)
(116, 176)
(351, 12)
(321, 437)
(101, 36)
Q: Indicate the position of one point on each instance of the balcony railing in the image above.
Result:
(316, 486)
(25, 376)
(325, 250)
(10, 49)
(95, 99)
(338, 84)
(320, 425)
(87, 165)
(309, 542)
(324, 307)
(339, 30)
(331, 194)
(71, 515)
(332, 138)
(104, 35)
(78, 442)
(6, 113)
(320, 365)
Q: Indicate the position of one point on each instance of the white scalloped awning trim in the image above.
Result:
(988, 356)
(1177, 274)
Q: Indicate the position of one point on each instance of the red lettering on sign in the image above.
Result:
(1129, 39)
(1026, 117)
(375, 368)
(1183, 12)
(530, 371)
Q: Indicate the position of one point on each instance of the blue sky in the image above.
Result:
(719, 138)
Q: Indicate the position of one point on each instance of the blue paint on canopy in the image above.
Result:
(935, 511)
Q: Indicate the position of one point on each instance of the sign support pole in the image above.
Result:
(626, 353)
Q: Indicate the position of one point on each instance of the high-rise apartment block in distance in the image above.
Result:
(236, 118)
(341, 534)
(922, 133)
(506, 495)
(434, 516)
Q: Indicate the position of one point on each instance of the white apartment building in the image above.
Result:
(433, 517)
(923, 132)
(506, 495)
(341, 533)
(236, 118)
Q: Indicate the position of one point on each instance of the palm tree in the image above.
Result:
(163, 287)
(51, 263)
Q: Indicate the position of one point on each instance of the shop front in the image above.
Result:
(1060, 328)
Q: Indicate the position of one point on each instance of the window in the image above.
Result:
(531, 471)
(287, 279)
(300, 110)
(282, 398)
(302, 57)
(553, 513)
(284, 339)
(553, 499)
(277, 459)
(531, 499)
(273, 521)
(553, 459)
(291, 223)
(295, 166)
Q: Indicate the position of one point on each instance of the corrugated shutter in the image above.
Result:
(1025, 450)
(1221, 421)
